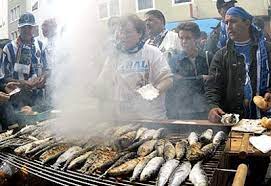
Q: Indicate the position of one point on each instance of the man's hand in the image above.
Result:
(11, 86)
(41, 81)
(214, 115)
(4, 97)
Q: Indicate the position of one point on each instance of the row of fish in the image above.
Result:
(132, 150)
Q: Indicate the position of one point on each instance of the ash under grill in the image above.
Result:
(73, 178)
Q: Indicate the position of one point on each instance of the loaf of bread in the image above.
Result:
(260, 102)
(266, 122)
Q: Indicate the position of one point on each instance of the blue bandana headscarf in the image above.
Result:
(262, 57)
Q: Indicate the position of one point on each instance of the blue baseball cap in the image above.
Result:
(27, 19)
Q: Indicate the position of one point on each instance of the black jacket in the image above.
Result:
(226, 87)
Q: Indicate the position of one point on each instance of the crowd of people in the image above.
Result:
(25, 66)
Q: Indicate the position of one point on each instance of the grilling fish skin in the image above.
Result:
(125, 140)
(5, 134)
(125, 129)
(77, 154)
(78, 160)
(146, 148)
(148, 134)
(194, 152)
(28, 146)
(135, 145)
(208, 150)
(206, 136)
(38, 153)
(180, 174)
(90, 160)
(219, 138)
(165, 172)
(53, 153)
(105, 159)
(139, 132)
(141, 165)
(160, 145)
(66, 155)
(159, 133)
(197, 175)
(37, 143)
(121, 160)
(125, 168)
(27, 129)
(152, 168)
(192, 138)
(180, 148)
(169, 151)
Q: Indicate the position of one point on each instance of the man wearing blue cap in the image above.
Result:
(24, 62)
(239, 72)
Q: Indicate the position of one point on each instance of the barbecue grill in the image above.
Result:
(177, 130)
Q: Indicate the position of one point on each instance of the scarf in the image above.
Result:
(133, 50)
(157, 40)
(223, 36)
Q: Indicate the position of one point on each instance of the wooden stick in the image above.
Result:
(240, 176)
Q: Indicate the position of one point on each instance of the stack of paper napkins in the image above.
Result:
(148, 92)
(262, 143)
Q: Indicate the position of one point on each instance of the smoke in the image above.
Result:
(78, 60)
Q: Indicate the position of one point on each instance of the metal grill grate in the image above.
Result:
(73, 178)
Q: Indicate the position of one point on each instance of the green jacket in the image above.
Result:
(226, 87)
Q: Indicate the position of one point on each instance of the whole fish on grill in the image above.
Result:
(160, 145)
(180, 174)
(27, 129)
(126, 128)
(146, 148)
(166, 170)
(66, 155)
(180, 148)
(139, 132)
(206, 136)
(28, 146)
(53, 153)
(78, 160)
(123, 158)
(169, 151)
(37, 143)
(219, 138)
(159, 133)
(125, 168)
(208, 150)
(86, 149)
(141, 165)
(6, 134)
(152, 168)
(197, 175)
(192, 138)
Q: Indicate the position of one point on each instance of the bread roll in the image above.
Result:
(26, 110)
(260, 102)
(266, 122)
